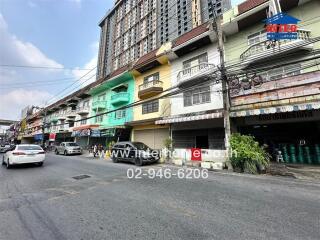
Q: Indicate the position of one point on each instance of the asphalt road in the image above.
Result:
(47, 203)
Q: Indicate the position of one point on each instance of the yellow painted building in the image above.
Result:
(152, 78)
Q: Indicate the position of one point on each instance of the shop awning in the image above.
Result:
(179, 119)
(85, 127)
(271, 110)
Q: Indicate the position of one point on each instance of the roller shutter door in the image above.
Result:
(152, 137)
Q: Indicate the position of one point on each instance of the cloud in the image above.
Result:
(15, 51)
(13, 102)
(92, 63)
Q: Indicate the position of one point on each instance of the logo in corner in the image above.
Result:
(281, 26)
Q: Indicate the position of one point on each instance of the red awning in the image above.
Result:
(90, 126)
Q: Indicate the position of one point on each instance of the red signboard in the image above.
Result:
(52, 137)
(196, 154)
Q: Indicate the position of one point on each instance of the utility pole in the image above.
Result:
(44, 125)
(225, 88)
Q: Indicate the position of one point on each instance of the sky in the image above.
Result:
(60, 34)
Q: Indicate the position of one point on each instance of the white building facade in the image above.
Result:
(196, 119)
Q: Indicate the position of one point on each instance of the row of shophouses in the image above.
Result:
(177, 94)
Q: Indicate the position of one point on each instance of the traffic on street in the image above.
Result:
(73, 197)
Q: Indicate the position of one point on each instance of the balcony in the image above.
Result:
(195, 74)
(261, 51)
(71, 114)
(96, 105)
(62, 116)
(120, 98)
(150, 89)
(83, 110)
(53, 119)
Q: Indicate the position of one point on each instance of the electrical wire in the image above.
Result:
(42, 67)
(172, 91)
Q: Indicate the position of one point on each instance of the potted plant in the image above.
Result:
(247, 155)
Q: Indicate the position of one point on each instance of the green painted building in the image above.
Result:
(111, 95)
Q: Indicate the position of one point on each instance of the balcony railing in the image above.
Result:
(119, 98)
(99, 105)
(54, 118)
(62, 116)
(194, 72)
(151, 84)
(83, 110)
(71, 113)
(150, 89)
(284, 45)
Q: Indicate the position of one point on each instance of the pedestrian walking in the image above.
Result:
(100, 149)
(95, 150)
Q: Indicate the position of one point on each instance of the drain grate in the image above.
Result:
(79, 177)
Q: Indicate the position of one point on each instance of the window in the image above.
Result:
(197, 96)
(86, 103)
(257, 37)
(83, 121)
(120, 114)
(286, 71)
(151, 78)
(150, 107)
(203, 58)
(101, 97)
(28, 147)
(99, 118)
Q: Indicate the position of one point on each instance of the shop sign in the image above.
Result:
(81, 133)
(286, 115)
(52, 137)
(110, 132)
(95, 133)
(281, 27)
(196, 154)
(38, 137)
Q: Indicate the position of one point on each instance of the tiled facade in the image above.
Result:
(133, 28)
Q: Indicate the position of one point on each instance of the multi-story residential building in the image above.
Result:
(152, 78)
(196, 112)
(67, 120)
(133, 28)
(110, 95)
(279, 101)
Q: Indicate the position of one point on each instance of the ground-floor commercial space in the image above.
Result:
(295, 135)
(208, 135)
(88, 136)
(204, 131)
(152, 135)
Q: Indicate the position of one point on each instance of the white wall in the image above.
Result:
(208, 155)
(216, 97)
(78, 117)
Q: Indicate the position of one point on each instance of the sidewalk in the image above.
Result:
(299, 171)
(295, 171)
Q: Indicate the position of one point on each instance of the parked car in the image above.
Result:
(134, 152)
(22, 154)
(4, 148)
(68, 148)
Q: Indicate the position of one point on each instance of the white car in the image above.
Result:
(22, 154)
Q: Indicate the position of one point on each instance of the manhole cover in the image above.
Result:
(79, 177)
